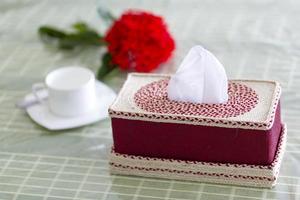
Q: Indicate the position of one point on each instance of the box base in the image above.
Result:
(222, 173)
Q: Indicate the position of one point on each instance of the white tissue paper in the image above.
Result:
(200, 78)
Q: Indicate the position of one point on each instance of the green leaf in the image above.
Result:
(81, 27)
(81, 40)
(70, 42)
(82, 36)
(51, 32)
(106, 16)
(106, 67)
(91, 38)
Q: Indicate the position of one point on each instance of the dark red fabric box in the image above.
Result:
(245, 130)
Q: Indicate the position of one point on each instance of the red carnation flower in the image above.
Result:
(139, 41)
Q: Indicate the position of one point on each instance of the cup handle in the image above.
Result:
(35, 91)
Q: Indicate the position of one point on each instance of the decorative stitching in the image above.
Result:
(191, 172)
(196, 120)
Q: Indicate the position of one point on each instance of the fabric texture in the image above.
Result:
(193, 142)
(237, 174)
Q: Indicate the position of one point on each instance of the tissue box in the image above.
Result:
(233, 174)
(245, 130)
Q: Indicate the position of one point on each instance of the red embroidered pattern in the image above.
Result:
(153, 98)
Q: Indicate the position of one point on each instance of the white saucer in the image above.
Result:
(41, 114)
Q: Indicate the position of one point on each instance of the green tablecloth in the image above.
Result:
(253, 39)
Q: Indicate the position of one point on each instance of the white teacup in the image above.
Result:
(71, 91)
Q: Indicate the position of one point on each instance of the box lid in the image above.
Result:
(252, 104)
